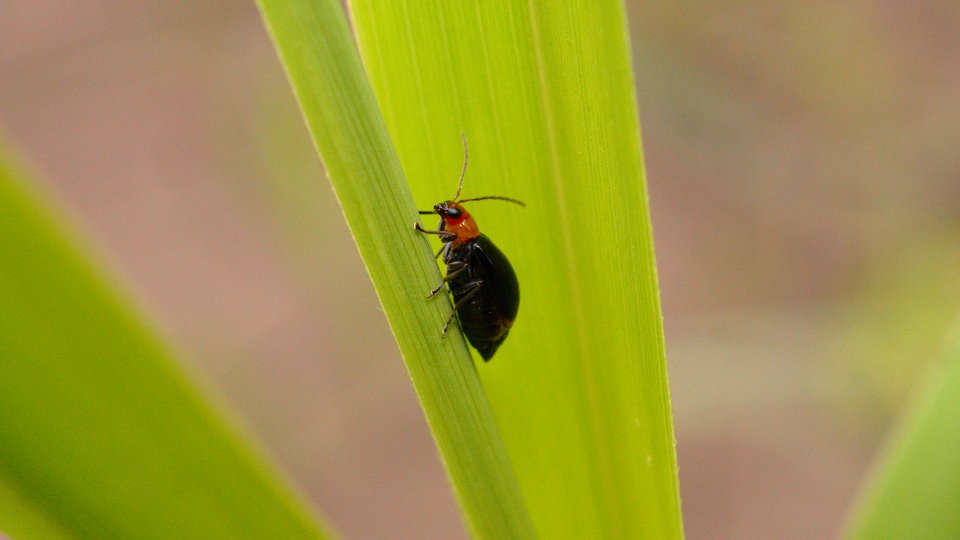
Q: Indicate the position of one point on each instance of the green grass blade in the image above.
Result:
(101, 436)
(324, 68)
(544, 92)
(915, 492)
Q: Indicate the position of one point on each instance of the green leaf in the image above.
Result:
(101, 436)
(324, 68)
(915, 492)
(544, 92)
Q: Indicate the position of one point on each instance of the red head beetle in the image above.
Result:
(486, 294)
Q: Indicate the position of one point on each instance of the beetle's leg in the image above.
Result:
(457, 268)
(439, 253)
(445, 236)
(474, 289)
(443, 333)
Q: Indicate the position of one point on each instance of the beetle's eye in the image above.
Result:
(453, 213)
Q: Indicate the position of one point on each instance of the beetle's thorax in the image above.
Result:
(463, 225)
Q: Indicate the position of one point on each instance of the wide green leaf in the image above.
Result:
(323, 65)
(915, 492)
(101, 435)
(544, 92)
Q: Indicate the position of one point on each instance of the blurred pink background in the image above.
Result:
(805, 183)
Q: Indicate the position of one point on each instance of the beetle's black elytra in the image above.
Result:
(486, 293)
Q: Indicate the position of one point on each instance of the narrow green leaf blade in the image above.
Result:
(544, 92)
(915, 492)
(101, 436)
(323, 65)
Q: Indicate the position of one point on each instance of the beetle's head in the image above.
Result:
(451, 212)
(455, 218)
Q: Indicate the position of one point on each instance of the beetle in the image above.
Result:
(486, 293)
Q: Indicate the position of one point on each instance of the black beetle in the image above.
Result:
(485, 290)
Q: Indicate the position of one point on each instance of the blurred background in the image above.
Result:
(805, 182)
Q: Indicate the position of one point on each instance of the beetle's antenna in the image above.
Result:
(463, 172)
(425, 212)
(495, 198)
